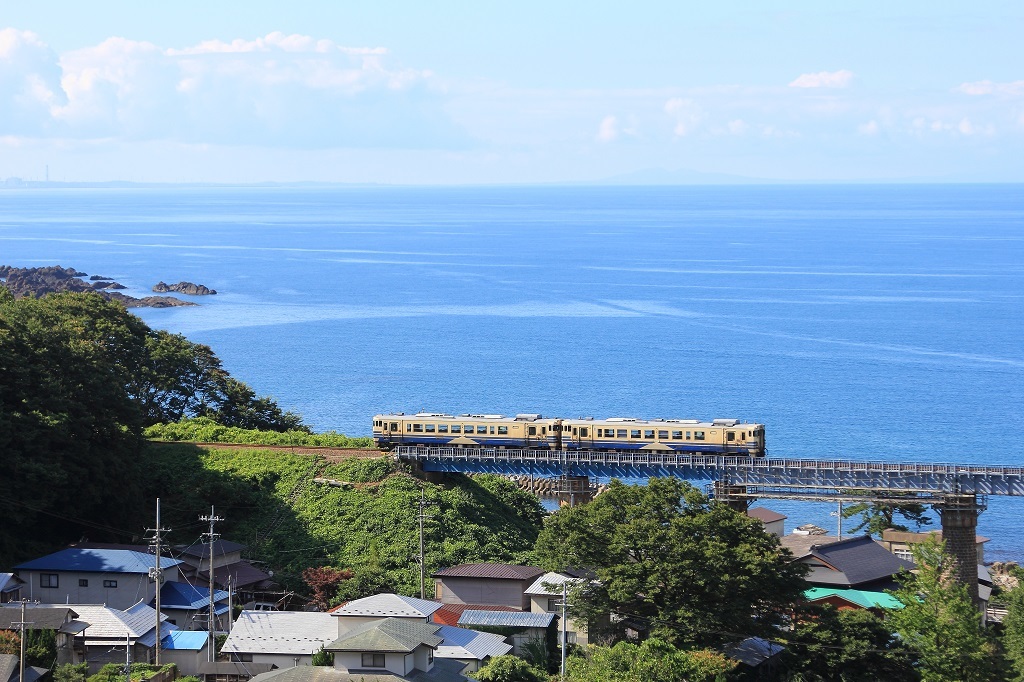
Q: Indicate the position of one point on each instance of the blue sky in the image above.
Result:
(445, 92)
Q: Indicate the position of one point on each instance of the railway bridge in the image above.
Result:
(959, 492)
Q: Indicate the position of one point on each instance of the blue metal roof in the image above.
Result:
(184, 640)
(512, 619)
(97, 561)
(176, 595)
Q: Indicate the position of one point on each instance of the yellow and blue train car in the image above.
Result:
(533, 431)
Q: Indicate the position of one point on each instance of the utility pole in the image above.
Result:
(565, 608)
(21, 629)
(210, 537)
(128, 657)
(156, 573)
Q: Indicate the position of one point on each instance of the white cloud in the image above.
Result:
(608, 130)
(870, 128)
(823, 79)
(988, 87)
(289, 90)
(737, 127)
(687, 114)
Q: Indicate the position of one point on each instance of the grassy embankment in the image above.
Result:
(270, 503)
(204, 430)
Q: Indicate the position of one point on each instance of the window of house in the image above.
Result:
(82, 582)
(48, 580)
(677, 435)
(456, 428)
(662, 435)
(373, 660)
(903, 553)
(634, 433)
(698, 435)
(502, 430)
(554, 605)
(109, 583)
(442, 428)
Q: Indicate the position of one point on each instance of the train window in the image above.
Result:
(677, 435)
(743, 435)
(662, 435)
(417, 428)
(583, 433)
(698, 435)
(430, 428)
(621, 433)
(502, 430)
(687, 435)
(442, 428)
(649, 433)
(408, 427)
(634, 433)
(531, 430)
(456, 428)
(730, 435)
(481, 429)
(394, 426)
(543, 430)
(492, 429)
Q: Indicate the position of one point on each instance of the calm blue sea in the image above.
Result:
(854, 321)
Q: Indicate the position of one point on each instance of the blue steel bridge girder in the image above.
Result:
(867, 477)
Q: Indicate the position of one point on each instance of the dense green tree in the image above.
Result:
(654, 660)
(694, 571)
(828, 645)
(323, 658)
(876, 517)
(939, 622)
(508, 668)
(1013, 631)
(71, 672)
(238, 405)
(41, 648)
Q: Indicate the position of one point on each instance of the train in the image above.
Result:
(534, 431)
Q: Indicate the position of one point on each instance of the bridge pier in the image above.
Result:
(959, 529)
(573, 490)
(733, 496)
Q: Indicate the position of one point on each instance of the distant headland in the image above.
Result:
(36, 282)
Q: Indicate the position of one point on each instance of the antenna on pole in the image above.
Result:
(211, 537)
(156, 573)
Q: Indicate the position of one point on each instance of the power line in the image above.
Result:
(211, 537)
(156, 572)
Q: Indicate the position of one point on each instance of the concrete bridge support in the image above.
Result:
(573, 490)
(959, 527)
(734, 496)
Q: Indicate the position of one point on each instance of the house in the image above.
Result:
(230, 571)
(396, 645)
(469, 647)
(442, 671)
(61, 619)
(899, 542)
(10, 670)
(546, 597)
(280, 638)
(774, 522)
(486, 584)
(111, 630)
(188, 607)
(847, 599)
(755, 658)
(186, 649)
(527, 629)
(10, 588)
(118, 578)
(232, 671)
(857, 562)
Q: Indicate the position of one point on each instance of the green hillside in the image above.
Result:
(270, 503)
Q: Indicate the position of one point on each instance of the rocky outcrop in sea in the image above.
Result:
(37, 282)
(187, 288)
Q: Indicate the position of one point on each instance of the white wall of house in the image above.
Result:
(280, 660)
(187, 660)
(353, 660)
(576, 632)
(116, 590)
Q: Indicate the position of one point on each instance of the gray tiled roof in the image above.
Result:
(495, 571)
(461, 643)
(860, 560)
(41, 617)
(443, 671)
(280, 632)
(385, 605)
(390, 634)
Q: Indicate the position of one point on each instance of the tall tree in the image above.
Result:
(654, 660)
(693, 570)
(1013, 631)
(876, 517)
(940, 622)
